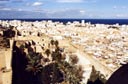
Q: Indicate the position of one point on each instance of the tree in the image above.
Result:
(9, 33)
(58, 69)
(74, 59)
(34, 63)
(56, 43)
(73, 73)
(52, 42)
(47, 52)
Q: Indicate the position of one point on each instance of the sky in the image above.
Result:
(64, 9)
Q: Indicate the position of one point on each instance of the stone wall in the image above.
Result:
(2, 59)
(5, 65)
(101, 68)
(8, 59)
(7, 77)
(0, 77)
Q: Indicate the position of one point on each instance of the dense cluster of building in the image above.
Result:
(108, 44)
(105, 42)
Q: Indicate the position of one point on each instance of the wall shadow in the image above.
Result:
(21, 76)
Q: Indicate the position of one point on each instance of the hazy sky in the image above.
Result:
(65, 8)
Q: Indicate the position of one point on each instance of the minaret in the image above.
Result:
(82, 22)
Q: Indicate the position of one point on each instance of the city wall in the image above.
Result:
(5, 65)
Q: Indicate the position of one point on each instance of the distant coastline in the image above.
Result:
(92, 21)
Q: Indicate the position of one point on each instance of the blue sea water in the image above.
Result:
(92, 21)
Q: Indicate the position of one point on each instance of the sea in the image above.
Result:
(92, 21)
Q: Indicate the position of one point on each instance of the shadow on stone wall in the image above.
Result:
(19, 62)
(21, 76)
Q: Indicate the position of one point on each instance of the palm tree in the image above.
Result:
(52, 42)
(34, 63)
(72, 73)
(47, 52)
(56, 43)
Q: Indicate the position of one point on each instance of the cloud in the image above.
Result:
(8, 9)
(6, 14)
(91, 1)
(37, 4)
(20, 9)
(70, 1)
(11, 9)
(82, 12)
(69, 13)
(17, 1)
(4, 0)
(119, 7)
(121, 15)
